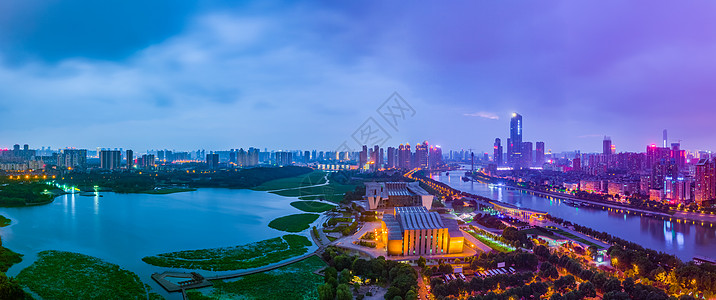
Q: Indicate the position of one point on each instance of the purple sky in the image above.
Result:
(221, 74)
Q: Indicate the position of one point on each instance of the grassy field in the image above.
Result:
(312, 206)
(576, 238)
(313, 178)
(295, 281)
(67, 275)
(8, 258)
(169, 191)
(293, 223)
(247, 256)
(4, 221)
(332, 192)
(490, 242)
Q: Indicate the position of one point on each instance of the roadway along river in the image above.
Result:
(680, 239)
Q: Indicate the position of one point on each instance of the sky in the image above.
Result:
(192, 75)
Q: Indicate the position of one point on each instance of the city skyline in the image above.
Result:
(213, 75)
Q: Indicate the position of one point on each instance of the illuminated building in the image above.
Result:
(395, 194)
(435, 157)
(110, 159)
(146, 161)
(421, 155)
(705, 180)
(404, 156)
(519, 212)
(497, 152)
(515, 140)
(413, 230)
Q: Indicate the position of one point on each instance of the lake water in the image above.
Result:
(123, 228)
(680, 239)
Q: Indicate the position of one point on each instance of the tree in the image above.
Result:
(614, 295)
(612, 285)
(411, 295)
(325, 292)
(421, 262)
(587, 289)
(343, 292)
(345, 276)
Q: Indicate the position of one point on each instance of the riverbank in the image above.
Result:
(687, 216)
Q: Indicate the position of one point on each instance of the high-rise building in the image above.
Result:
(284, 158)
(306, 156)
(435, 157)
(497, 152)
(130, 159)
(212, 160)
(527, 154)
(404, 156)
(73, 158)
(147, 161)
(110, 159)
(392, 157)
(705, 189)
(516, 139)
(577, 164)
(539, 153)
(363, 157)
(253, 157)
(607, 146)
(421, 155)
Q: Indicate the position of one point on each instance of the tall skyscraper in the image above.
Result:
(539, 154)
(607, 146)
(130, 159)
(705, 180)
(110, 159)
(516, 139)
(665, 140)
(497, 152)
(421, 155)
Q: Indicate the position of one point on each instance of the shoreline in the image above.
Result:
(687, 217)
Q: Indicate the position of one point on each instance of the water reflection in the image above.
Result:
(679, 238)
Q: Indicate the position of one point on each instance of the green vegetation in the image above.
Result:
(490, 241)
(333, 192)
(247, 256)
(400, 278)
(293, 223)
(164, 191)
(8, 258)
(25, 193)
(67, 275)
(313, 178)
(294, 281)
(143, 182)
(312, 206)
(4, 221)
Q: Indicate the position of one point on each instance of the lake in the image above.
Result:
(123, 228)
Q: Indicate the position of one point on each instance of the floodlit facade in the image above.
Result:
(413, 230)
(396, 194)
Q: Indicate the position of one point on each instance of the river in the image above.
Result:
(681, 239)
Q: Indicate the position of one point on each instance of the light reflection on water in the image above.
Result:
(678, 238)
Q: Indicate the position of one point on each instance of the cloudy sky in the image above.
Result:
(223, 74)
